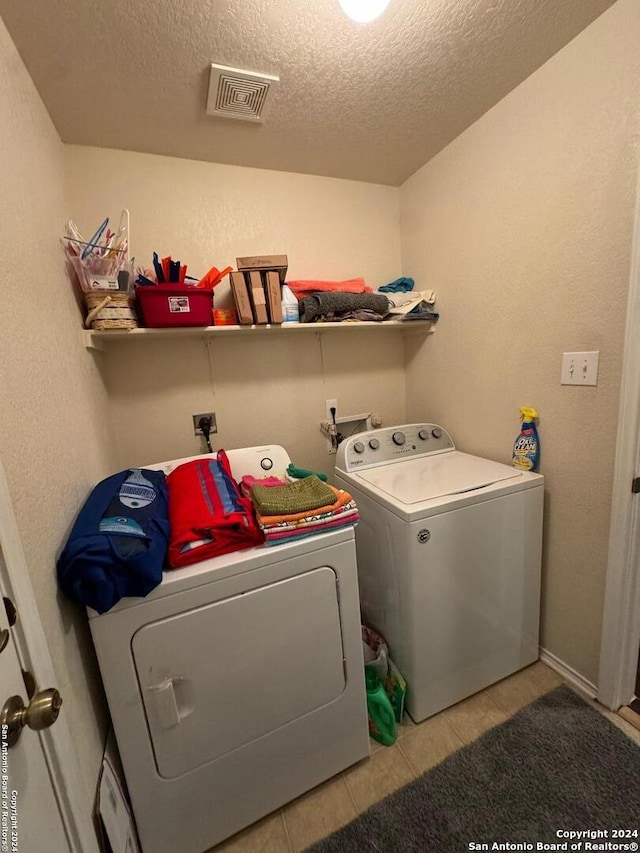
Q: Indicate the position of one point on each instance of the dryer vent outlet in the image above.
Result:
(234, 93)
(345, 427)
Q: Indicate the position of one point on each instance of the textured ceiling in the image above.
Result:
(369, 102)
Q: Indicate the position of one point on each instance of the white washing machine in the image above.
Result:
(237, 684)
(449, 552)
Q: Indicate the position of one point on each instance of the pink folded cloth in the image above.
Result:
(248, 481)
(305, 287)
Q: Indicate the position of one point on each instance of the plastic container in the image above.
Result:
(101, 274)
(526, 447)
(225, 317)
(290, 308)
(175, 305)
(382, 721)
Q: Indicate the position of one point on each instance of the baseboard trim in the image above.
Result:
(569, 674)
(627, 713)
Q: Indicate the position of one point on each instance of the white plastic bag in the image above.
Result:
(376, 651)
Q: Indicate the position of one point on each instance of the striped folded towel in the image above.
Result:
(292, 536)
(289, 522)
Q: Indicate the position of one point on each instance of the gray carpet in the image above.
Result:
(557, 764)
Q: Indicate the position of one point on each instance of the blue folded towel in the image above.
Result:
(400, 285)
(118, 544)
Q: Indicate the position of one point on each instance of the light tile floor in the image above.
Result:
(418, 748)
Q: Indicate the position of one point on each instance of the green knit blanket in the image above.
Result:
(307, 494)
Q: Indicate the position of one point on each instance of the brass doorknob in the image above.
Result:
(41, 712)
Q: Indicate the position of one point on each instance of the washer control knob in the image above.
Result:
(266, 464)
(399, 438)
(436, 432)
(423, 434)
(374, 444)
(358, 447)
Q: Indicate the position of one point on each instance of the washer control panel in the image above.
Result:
(391, 444)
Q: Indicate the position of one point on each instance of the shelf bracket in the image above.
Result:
(91, 342)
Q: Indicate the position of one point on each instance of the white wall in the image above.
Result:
(523, 225)
(54, 426)
(262, 388)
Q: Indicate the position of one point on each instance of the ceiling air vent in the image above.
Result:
(234, 93)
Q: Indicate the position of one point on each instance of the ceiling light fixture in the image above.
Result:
(363, 11)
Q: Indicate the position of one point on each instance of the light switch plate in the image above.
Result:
(579, 368)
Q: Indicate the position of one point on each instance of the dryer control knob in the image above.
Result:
(436, 432)
(399, 438)
(374, 444)
(423, 434)
(358, 447)
(266, 464)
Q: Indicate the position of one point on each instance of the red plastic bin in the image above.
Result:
(175, 305)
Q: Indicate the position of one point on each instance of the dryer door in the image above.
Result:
(205, 672)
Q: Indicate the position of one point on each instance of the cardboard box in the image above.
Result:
(278, 263)
(274, 295)
(241, 298)
(258, 298)
(112, 806)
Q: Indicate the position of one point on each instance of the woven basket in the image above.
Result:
(109, 311)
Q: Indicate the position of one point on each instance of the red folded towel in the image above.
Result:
(207, 513)
(351, 285)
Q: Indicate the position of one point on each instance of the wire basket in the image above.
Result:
(109, 311)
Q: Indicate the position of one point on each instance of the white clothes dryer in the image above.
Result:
(237, 684)
(449, 553)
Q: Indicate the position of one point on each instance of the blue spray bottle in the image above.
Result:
(526, 447)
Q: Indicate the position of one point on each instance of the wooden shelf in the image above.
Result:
(98, 340)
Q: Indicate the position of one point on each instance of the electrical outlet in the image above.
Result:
(196, 419)
(579, 368)
(329, 405)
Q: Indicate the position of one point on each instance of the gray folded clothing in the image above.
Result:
(314, 307)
